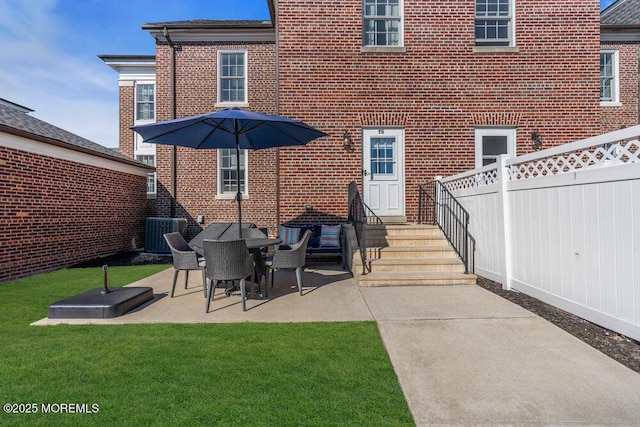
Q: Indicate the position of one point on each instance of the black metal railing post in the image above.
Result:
(450, 216)
(358, 218)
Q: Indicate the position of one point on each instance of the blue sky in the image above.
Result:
(49, 53)
(49, 48)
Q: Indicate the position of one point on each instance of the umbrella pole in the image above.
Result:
(239, 194)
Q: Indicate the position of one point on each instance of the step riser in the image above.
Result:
(384, 253)
(415, 282)
(406, 241)
(455, 268)
(404, 232)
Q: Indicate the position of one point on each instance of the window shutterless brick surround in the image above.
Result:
(625, 112)
(56, 213)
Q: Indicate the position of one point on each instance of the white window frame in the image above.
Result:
(137, 101)
(480, 133)
(399, 18)
(615, 84)
(142, 148)
(244, 103)
(490, 42)
(232, 194)
(151, 177)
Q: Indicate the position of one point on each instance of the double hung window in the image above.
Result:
(145, 102)
(382, 23)
(494, 23)
(228, 172)
(145, 112)
(149, 159)
(609, 77)
(232, 77)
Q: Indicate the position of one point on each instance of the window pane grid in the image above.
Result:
(493, 23)
(149, 159)
(232, 77)
(381, 23)
(606, 77)
(490, 8)
(229, 171)
(145, 102)
(382, 156)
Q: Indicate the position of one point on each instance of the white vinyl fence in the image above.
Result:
(563, 225)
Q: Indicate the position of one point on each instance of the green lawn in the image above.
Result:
(187, 374)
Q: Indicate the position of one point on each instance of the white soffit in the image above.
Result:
(45, 149)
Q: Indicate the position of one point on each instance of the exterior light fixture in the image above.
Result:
(347, 143)
(536, 139)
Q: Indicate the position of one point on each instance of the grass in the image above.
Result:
(188, 374)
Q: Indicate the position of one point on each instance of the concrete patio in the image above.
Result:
(463, 355)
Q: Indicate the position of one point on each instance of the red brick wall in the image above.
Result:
(127, 116)
(57, 213)
(196, 88)
(625, 114)
(439, 90)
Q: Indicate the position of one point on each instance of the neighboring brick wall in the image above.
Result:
(127, 115)
(625, 114)
(439, 89)
(196, 88)
(57, 213)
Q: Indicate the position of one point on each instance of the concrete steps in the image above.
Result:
(410, 254)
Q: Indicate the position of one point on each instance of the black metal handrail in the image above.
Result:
(358, 218)
(436, 205)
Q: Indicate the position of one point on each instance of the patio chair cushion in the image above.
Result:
(289, 235)
(330, 235)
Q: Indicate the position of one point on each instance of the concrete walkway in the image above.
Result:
(463, 355)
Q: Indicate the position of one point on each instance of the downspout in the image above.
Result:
(275, 24)
(173, 109)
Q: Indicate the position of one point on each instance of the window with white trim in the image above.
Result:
(232, 77)
(494, 23)
(149, 159)
(228, 172)
(145, 102)
(609, 76)
(493, 142)
(382, 23)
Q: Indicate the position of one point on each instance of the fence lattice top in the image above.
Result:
(615, 148)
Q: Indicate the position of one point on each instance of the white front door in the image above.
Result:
(383, 170)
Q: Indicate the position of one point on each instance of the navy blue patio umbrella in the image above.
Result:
(232, 128)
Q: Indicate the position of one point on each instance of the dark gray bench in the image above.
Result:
(315, 251)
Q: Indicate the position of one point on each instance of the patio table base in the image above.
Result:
(95, 304)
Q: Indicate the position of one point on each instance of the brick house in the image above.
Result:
(406, 89)
(64, 199)
(619, 56)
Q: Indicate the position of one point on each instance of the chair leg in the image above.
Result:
(299, 278)
(272, 271)
(175, 279)
(204, 282)
(242, 294)
(266, 284)
(211, 285)
(186, 278)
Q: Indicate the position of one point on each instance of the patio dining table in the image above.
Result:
(255, 239)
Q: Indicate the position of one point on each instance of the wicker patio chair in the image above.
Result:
(227, 260)
(184, 259)
(293, 257)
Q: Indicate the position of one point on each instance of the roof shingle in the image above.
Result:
(13, 118)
